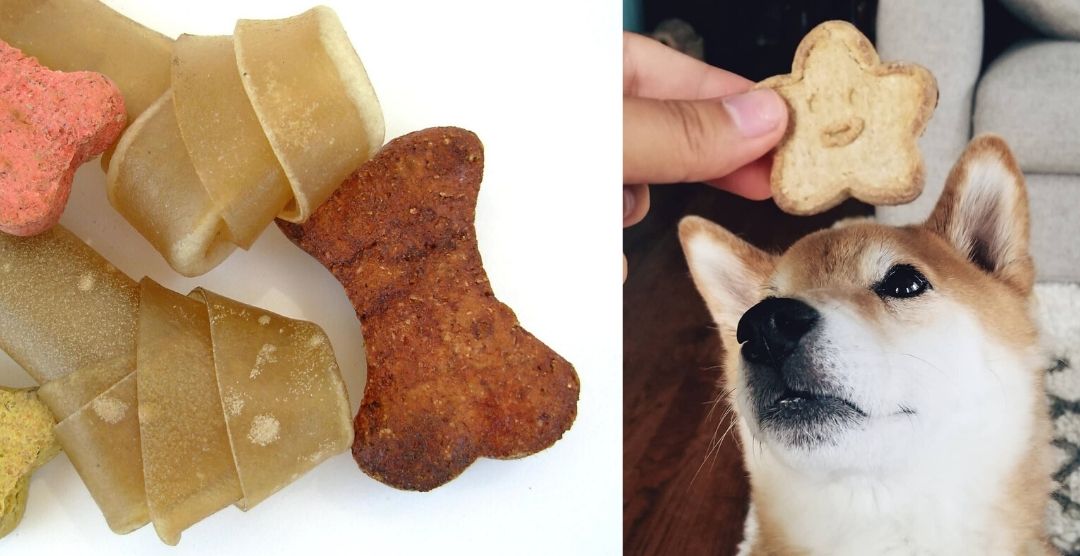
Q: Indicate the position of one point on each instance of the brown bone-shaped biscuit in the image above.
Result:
(452, 376)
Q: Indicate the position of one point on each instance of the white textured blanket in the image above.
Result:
(1058, 312)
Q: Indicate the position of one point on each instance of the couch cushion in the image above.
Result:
(938, 35)
(1055, 227)
(1058, 18)
(1029, 97)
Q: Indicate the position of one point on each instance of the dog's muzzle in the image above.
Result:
(790, 392)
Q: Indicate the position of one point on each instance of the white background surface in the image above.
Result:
(538, 82)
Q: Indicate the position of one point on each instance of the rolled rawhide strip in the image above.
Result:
(170, 407)
(314, 100)
(152, 182)
(265, 123)
(70, 320)
(224, 140)
(102, 441)
(272, 372)
(180, 413)
(40, 279)
(74, 35)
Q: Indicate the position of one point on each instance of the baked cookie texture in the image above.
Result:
(853, 124)
(452, 375)
(51, 122)
(26, 443)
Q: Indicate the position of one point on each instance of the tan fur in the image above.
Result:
(1021, 275)
(759, 263)
(827, 263)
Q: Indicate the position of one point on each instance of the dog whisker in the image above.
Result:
(717, 439)
(925, 362)
(952, 378)
(719, 398)
(713, 442)
(731, 427)
(712, 449)
(1001, 383)
(716, 451)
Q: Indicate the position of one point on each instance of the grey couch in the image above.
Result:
(1030, 95)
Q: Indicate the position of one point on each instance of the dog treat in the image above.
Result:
(180, 220)
(42, 276)
(78, 35)
(68, 394)
(26, 443)
(853, 124)
(102, 441)
(267, 123)
(268, 404)
(13, 505)
(318, 109)
(180, 413)
(452, 375)
(51, 123)
(227, 147)
(170, 407)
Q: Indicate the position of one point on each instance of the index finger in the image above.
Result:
(652, 70)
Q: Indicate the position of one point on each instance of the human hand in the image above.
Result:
(687, 121)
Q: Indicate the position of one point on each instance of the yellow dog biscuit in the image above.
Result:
(853, 124)
(26, 443)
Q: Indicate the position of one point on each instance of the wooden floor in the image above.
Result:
(674, 501)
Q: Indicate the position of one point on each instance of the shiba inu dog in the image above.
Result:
(887, 381)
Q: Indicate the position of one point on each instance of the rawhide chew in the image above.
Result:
(853, 124)
(313, 97)
(157, 190)
(262, 124)
(50, 124)
(26, 443)
(452, 375)
(87, 35)
(170, 407)
(229, 152)
(180, 413)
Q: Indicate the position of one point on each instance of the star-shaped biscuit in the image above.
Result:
(853, 124)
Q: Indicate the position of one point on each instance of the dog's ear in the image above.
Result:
(728, 272)
(983, 212)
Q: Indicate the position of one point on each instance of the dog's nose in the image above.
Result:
(770, 330)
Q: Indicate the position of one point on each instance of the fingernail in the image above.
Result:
(628, 202)
(756, 112)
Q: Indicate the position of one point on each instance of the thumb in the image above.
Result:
(672, 141)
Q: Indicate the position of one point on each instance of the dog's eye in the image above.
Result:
(902, 281)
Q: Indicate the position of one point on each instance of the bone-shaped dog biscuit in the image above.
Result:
(452, 375)
(853, 124)
(50, 123)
